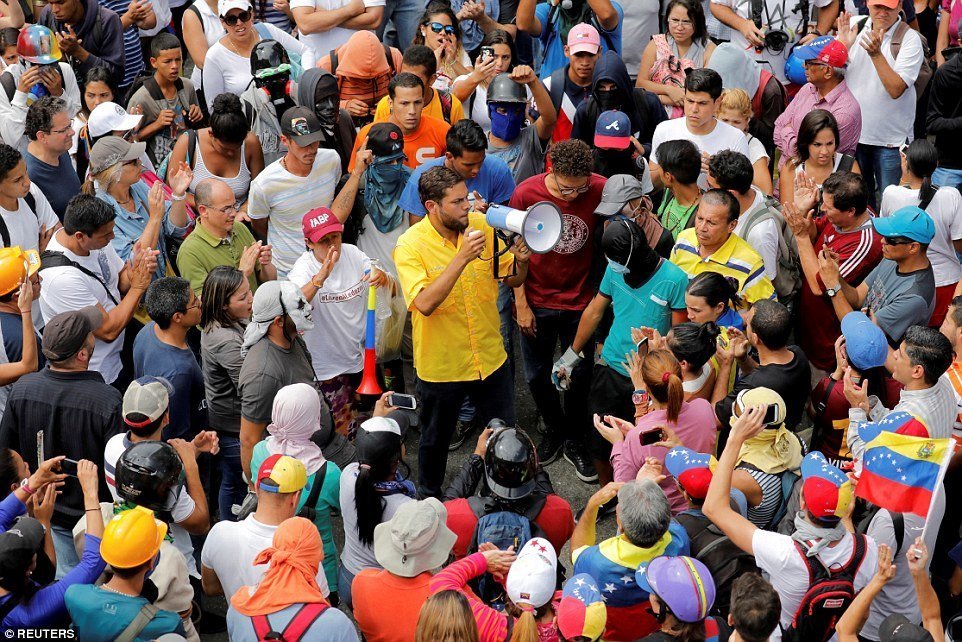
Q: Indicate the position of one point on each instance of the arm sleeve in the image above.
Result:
(492, 624)
(910, 59)
(289, 42)
(45, 213)
(10, 509)
(503, 184)
(896, 317)
(257, 204)
(466, 481)
(410, 271)
(764, 238)
(784, 134)
(410, 201)
(213, 76)
(13, 115)
(943, 99)
(192, 269)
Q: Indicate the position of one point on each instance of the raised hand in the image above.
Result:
(25, 297)
(156, 204)
(181, 179)
(326, 266)
(806, 193)
(748, 424)
(472, 245)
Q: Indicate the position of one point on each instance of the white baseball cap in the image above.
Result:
(532, 578)
(223, 6)
(110, 117)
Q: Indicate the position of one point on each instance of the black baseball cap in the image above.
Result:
(18, 545)
(64, 335)
(385, 139)
(302, 126)
(898, 628)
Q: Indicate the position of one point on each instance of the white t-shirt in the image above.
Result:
(213, 31)
(946, 212)
(885, 121)
(763, 236)
(230, 550)
(756, 150)
(323, 42)
(67, 288)
(724, 136)
(117, 446)
(776, 14)
(356, 556)
(339, 309)
(777, 556)
(24, 224)
(285, 199)
(380, 245)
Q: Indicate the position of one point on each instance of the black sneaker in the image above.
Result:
(461, 432)
(549, 449)
(584, 468)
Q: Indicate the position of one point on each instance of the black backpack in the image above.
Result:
(714, 549)
(5, 232)
(830, 591)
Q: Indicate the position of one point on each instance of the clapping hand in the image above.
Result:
(181, 179)
(806, 193)
(613, 429)
(652, 470)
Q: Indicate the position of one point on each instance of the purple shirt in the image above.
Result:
(840, 102)
(696, 430)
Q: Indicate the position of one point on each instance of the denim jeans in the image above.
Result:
(945, 177)
(344, 580)
(569, 421)
(440, 404)
(404, 14)
(63, 544)
(232, 487)
(881, 167)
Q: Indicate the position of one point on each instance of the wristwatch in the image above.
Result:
(833, 291)
(639, 397)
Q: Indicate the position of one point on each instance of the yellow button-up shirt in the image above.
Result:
(461, 340)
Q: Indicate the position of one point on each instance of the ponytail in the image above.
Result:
(88, 187)
(927, 192)
(662, 374)
(922, 159)
(368, 503)
(525, 627)
(378, 456)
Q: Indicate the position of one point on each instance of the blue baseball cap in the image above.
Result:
(911, 222)
(613, 130)
(825, 49)
(865, 343)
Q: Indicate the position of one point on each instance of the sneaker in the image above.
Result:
(585, 470)
(461, 431)
(549, 449)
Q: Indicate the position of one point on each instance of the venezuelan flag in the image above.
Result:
(901, 472)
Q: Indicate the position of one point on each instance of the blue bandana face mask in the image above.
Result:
(506, 120)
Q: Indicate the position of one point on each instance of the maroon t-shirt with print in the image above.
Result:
(561, 279)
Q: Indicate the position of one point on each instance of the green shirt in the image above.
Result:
(201, 252)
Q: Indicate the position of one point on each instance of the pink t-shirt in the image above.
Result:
(954, 9)
(696, 430)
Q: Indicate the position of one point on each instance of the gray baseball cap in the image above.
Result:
(64, 335)
(619, 189)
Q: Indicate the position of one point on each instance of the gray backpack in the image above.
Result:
(788, 276)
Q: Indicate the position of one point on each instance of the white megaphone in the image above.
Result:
(540, 227)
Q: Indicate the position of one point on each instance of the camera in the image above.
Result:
(776, 40)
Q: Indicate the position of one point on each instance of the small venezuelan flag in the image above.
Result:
(900, 472)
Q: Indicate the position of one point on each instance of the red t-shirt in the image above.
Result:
(859, 251)
(831, 421)
(561, 279)
(555, 519)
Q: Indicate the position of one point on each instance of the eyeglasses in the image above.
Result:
(675, 22)
(437, 27)
(231, 20)
(815, 63)
(897, 240)
(568, 191)
(62, 130)
(191, 307)
(227, 209)
(135, 161)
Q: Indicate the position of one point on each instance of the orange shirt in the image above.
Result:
(423, 144)
(387, 606)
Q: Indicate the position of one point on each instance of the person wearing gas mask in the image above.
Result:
(39, 72)
(522, 147)
(268, 96)
(612, 89)
(317, 90)
(769, 29)
(551, 21)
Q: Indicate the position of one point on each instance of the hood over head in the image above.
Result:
(612, 68)
(362, 57)
(737, 68)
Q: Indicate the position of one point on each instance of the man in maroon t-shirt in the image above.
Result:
(844, 228)
(559, 287)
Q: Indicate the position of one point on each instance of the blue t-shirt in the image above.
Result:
(11, 330)
(332, 626)
(731, 319)
(650, 305)
(554, 54)
(155, 358)
(494, 183)
(59, 184)
(100, 615)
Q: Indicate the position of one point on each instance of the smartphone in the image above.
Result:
(68, 467)
(772, 415)
(642, 347)
(486, 53)
(408, 402)
(651, 437)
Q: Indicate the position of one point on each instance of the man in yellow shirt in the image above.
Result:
(452, 297)
(421, 61)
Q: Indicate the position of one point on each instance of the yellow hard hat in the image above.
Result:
(132, 538)
(16, 265)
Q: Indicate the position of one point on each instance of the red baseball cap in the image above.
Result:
(826, 489)
(891, 4)
(320, 222)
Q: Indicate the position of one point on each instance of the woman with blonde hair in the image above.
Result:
(659, 400)
(736, 110)
(446, 617)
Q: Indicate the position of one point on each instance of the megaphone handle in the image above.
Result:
(500, 236)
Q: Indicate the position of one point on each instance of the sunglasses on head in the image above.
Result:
(231, 20)
(437, 27)
(897, 240)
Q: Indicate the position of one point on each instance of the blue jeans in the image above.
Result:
(944, 177)
(881, 167)
(232, 487)
(344, 580)
(404, 14)
(63, 544)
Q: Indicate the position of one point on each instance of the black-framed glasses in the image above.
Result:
(227, 209)
(134, 161)
(437, 27)
(897, 240)
(231, 20)
(568, 191)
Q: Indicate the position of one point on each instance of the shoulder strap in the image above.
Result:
(390, 59)
(9, 86)
(191, 147)
(303, 620)
(138, 624)
(823, 404)
(248, 113)
(816, 570)
(896, 44)
(194, 10)
(50, 258)
(859, 546)
(756, 12)
(898, 525)
(262, 627)
(98, 31)
(557, 90)
(319, 478)
(755, 216)
(334, 62)
(711, 546)
(4, 233)
(153, 89)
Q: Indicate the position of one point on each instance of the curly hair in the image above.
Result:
(40, 115)
(571, 157)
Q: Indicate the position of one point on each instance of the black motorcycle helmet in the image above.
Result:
(150, 474)
(510, 462)
(268, 54)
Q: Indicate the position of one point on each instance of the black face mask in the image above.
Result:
(609, 162)
(608, 99)
(326, 110)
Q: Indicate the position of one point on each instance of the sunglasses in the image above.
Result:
(897, 240)
(243, 16)
(437, 27)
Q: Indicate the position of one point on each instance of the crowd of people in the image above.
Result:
(232, 299)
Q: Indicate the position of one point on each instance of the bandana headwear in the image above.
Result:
(295, 417)
(274, 299)
(384, 181)
(506, 126)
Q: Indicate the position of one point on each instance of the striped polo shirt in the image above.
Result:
(735, 258)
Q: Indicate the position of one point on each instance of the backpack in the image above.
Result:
(295, 629)
(5, 233)
(714, 549)
(830, 591)
(503, 529)
(788, 276)
(10, 85)
(297, 68)
(309, 509)
(925, 69)
(138, 624)
(50, 259)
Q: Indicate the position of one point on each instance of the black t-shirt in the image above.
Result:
(792, 381)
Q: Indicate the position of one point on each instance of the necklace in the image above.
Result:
(236, 50)
(113, 590)
(120, 202)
